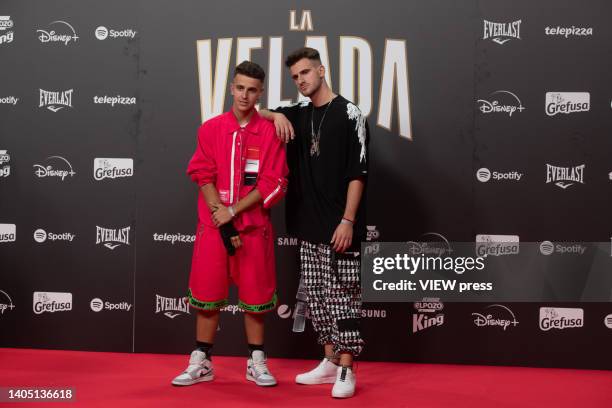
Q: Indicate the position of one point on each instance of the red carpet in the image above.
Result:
(143, 380)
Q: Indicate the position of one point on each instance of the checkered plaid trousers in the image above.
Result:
(333, 289)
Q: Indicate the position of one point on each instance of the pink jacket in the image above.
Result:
(237, 160)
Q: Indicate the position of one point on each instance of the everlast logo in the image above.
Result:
(502, 32)
(54, 101)
(171, 307)
(112, 238)
(564, 177)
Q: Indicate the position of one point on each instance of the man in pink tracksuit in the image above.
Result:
(241, 169)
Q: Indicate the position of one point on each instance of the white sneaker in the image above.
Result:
(324, 373)
(257, 370)
(200, 369)
(344, 387)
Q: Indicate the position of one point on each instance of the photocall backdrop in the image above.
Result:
(488, 118)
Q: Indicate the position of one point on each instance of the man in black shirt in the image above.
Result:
(327, 155)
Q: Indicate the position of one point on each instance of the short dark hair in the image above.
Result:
(250, 69)
(305, 52)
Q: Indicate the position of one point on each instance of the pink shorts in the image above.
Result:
(252, 269)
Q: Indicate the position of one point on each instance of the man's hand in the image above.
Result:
(221, 216)
(284, 129)
(343, 237)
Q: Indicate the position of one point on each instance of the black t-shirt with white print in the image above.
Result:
(318, 184)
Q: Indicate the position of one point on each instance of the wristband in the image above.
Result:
(231, 211)
(346, 221)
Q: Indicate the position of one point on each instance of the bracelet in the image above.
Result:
(346, 221)
(231, 211)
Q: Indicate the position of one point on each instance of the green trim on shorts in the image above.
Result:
(206, 305)
(265, 307)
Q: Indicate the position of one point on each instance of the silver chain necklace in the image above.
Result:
(316, 138)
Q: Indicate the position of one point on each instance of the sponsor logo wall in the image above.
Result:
(478, 160)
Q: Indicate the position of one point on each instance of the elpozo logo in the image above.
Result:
(501, 33)
(560, 318)
(564, 177)
(112, 168)
(54, 170)
(5, 169)
(102, 33)
(484, 175)
(111, 238)
(497, 245)
(51, 302)
(427, 314)
(372, 234)
(511, 105)
(55, 100)
(567, 102)
(7, 35)
(65, 33)
(8, 233)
